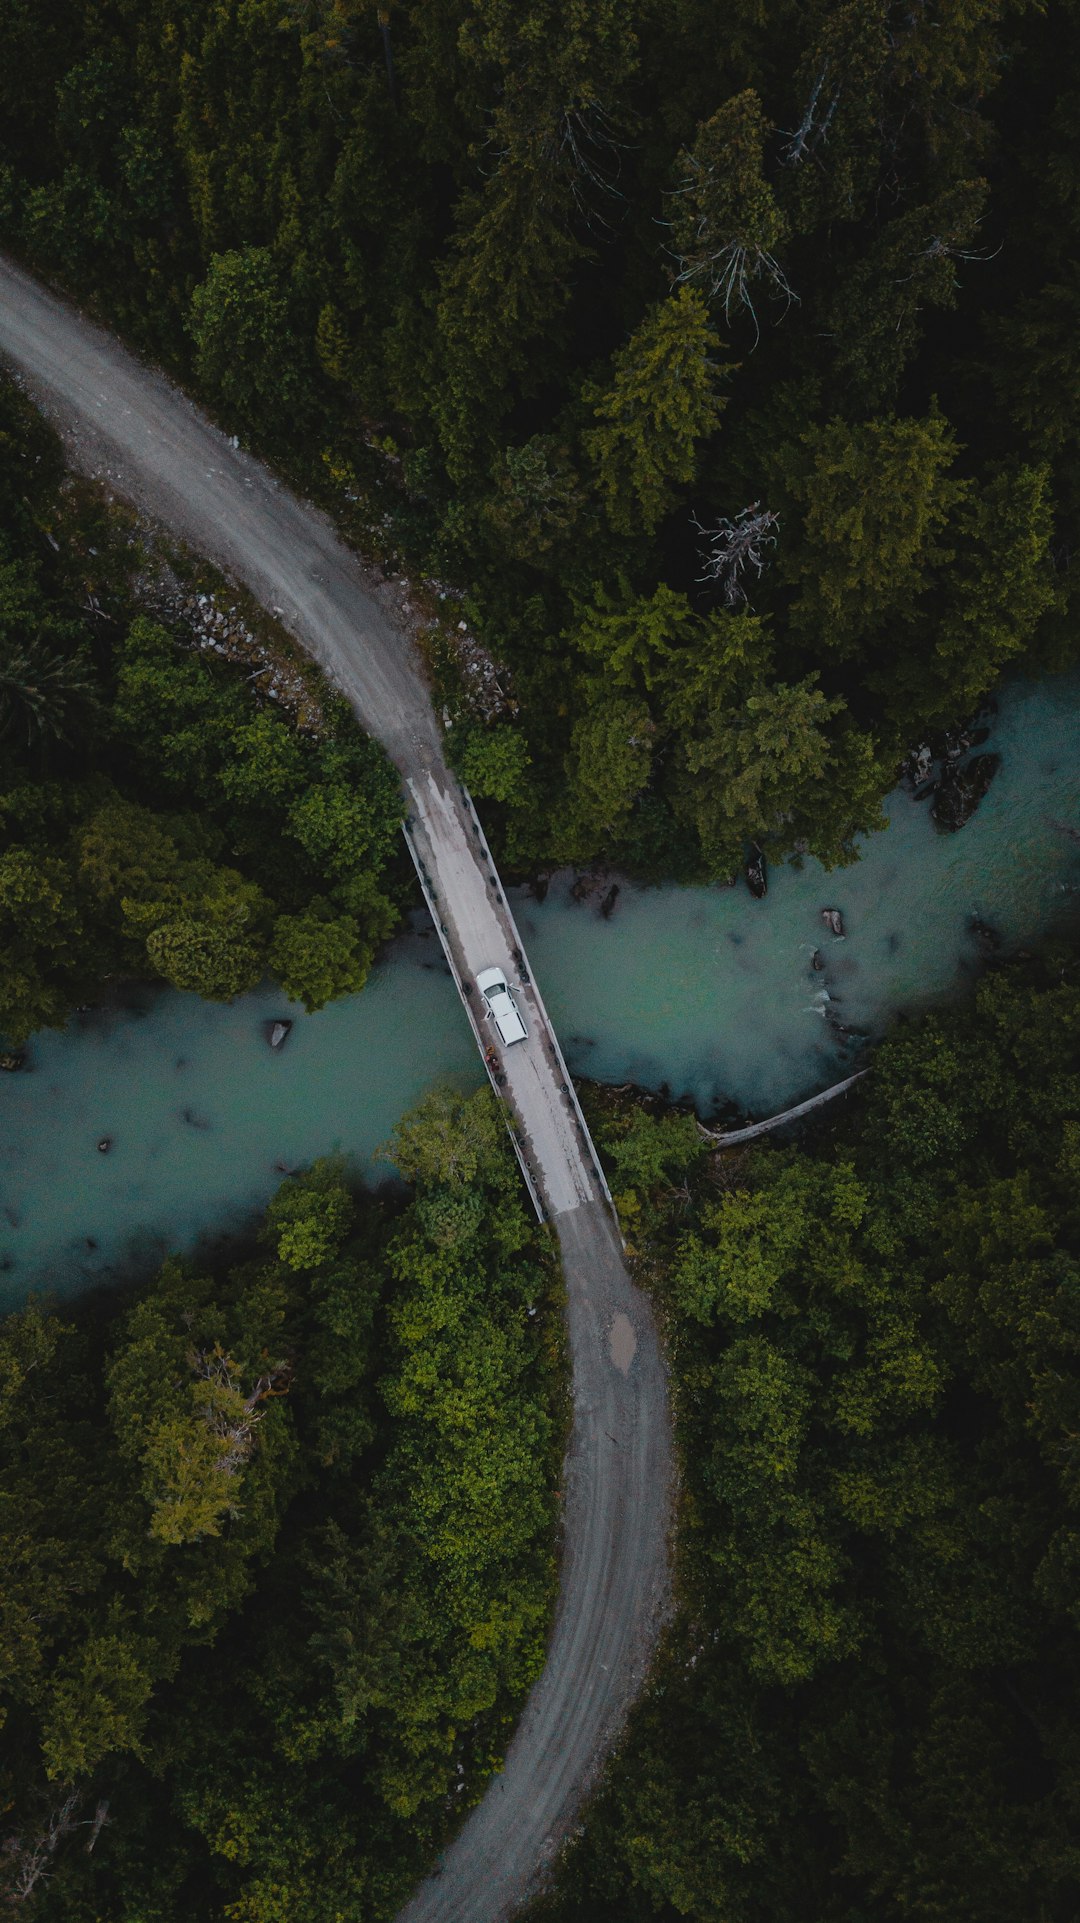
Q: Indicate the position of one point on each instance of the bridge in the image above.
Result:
(123, 424)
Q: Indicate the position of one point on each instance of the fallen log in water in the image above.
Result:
(728, 1138)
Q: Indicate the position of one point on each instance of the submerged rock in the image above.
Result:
(278, 1032)
(816, 962)
(756, 874)
(608, 903)
(961, 789)
(13, 1060)
(988, 938)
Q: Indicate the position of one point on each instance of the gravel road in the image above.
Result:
(126, 425)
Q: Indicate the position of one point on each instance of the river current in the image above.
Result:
(703, 991)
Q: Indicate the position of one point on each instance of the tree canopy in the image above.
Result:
(770, 310)
(866, 1706)
(321, 1470)
(157, 818)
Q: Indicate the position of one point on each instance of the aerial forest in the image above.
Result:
(723, 359)
(160, 818)
(277, 1542)
(715, 370)
(867, 1706)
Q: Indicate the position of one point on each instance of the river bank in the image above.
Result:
(702, 993)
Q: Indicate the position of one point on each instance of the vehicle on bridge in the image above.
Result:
(501, 1005)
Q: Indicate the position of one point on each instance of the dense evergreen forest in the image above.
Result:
(277, 1552)
(726, 356)
(726, 360)
(868, 1705)
(158, 817)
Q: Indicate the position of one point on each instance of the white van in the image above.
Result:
(501, 1005)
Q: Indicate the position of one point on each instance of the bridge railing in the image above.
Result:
(567, 1080)
(432, 900)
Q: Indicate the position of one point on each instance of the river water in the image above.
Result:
(702, 990)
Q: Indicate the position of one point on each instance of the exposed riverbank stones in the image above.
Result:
(961, 788)
(219, 628)
(757, 878)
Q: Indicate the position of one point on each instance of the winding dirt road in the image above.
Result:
(123, 423)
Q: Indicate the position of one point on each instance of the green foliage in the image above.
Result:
(318, 957)
(661, 402)
(493, 763)
(448, 1138)
(39, 933)
(752, 756)
(309, 1217)
(47, 686)
(277, 1548)
(725, 219)
(866, 1706)
(608, 768)
(754, 763)
(876, 503)
(223, 841)
(246, 351)
(505, 272)
(876, 313)
(98, 1706)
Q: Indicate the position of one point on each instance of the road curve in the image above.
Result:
(126, 425)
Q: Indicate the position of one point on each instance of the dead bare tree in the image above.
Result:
(97, 1823)
(726, 224)
(734, 546)
(230, 1415)
(726, 270)
(811, 131)
(27, 1859)
(575, 149)
(947, 247)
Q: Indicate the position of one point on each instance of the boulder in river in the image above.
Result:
(988, 938)
(834, 921)
(608, 903)
(756, 875)
(277, 1033)
(12, 1060)
(960, 790)
(816, 962)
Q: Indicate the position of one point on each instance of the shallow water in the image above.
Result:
(713, 993)
(203, 1116)
(702, 989)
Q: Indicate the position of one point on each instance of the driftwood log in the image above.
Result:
(729, 1138)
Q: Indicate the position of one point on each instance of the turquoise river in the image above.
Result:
(701, 990)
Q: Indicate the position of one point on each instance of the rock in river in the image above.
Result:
(987, 938)
(834, 921)
(961, 789)
(277, 1032)
(755, 872)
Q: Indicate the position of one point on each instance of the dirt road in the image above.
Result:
(124, 423)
